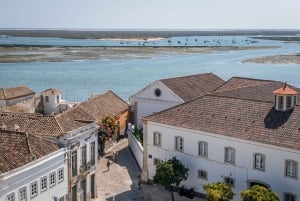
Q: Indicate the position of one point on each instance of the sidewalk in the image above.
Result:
(120, 183)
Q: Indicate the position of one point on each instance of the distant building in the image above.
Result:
(77, 135)
(31, 168)
(17, 99)
(166, 93)
(244, 133)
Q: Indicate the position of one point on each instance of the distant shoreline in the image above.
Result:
(276, 59)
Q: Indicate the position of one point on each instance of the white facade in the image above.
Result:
(82, 147)
(25, 183)
(242, 171)
(51, 103)
(149, 100)
(19, 104)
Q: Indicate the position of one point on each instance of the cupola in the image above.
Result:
(285, 98)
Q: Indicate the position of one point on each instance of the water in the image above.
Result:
(79, 79)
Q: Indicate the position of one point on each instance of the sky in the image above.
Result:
(150, 14)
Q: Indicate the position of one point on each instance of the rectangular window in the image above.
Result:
(157, 138)
(43, 183)
(23, 194)
(229, 155)
(291, 168)
(52, 179)
(83, 155)
(202, 149)
(280, 102)
(47, 98)
(288, 102)
(10, 197)
(93, 153)
(33, 189)
(229, 181)
(295, 100)
(289, 197)
(179, 143)
(202, 174)
(60, 175)
(259, 161)
(74, 163)
(74, 193)
(57, 99)
(156, 161)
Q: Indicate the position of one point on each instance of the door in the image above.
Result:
(93, 186)
(83, 190)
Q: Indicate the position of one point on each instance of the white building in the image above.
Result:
(166, 93)
(31, 168)
(240, 134)
(17, 99)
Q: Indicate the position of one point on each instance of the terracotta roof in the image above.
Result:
(51, 92)
(15, 92)
(20, 148)
(285, 90)
(107, 104)
(193, 86)
(245, 112)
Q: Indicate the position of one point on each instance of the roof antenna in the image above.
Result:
(284, 85)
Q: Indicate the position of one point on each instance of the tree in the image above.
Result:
(259, 193)
(218, 192)
(108, 128)
(169, 173)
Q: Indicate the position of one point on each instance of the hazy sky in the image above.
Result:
(150, 14)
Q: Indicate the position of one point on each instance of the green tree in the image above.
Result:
(108, 129)
(218, 192)
(169, 173)
(259, 193)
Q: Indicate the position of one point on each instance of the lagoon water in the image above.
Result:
(79, 79)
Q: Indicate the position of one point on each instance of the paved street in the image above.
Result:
(120, 183)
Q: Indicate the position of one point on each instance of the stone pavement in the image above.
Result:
(120, 183)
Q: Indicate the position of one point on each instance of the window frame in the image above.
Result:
(230, 160)
(288, 102)
(157, 138)
(93, 153)
(294, 197)
(83, 155)
(156, 161)
(74, 161)
(47, 99)
(10, 197)
(52, 175)
(60, 175)
(232, 184)
(280, 102)
(31, 189)
(295, 170)
(179, 143)
(262, 163)
(45, 182)
(205, 145)
(201, 176)
(21, 191)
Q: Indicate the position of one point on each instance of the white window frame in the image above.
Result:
(44, 183)
(157, 138)
(52, 179)
(229, 155)
(84, 155)
(93, 153)
(33, 189)
(60, 175)
(11, 197)
(291, 196)
(291, 169)
(259, 161)
(179, 143)
(203, 149)
(289, 102)
(231, 183)
(23, 194)
(202, 174)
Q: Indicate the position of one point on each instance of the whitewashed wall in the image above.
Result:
(136, 148)
(52, 106)
(21, 177)
(242, 171)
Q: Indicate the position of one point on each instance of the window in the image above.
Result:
(202, 149)
(74, 193)
(157, 138)
(288, 102)
(156, 161)
(10, 197)
(229, 181)
(295, 100)
(52, 179)
(23, 194)
(47, 98)
(157, 92)
(202, 174)
(43, 183)
(291, 168)
(179, 143)
(259, 161)
(229, 155)
(74, 163)
(57, 99)
(289, 197)
(33, 189)
(60, 175)
(83, 155)
(280, 102)
(61, 198)
(93, 157)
